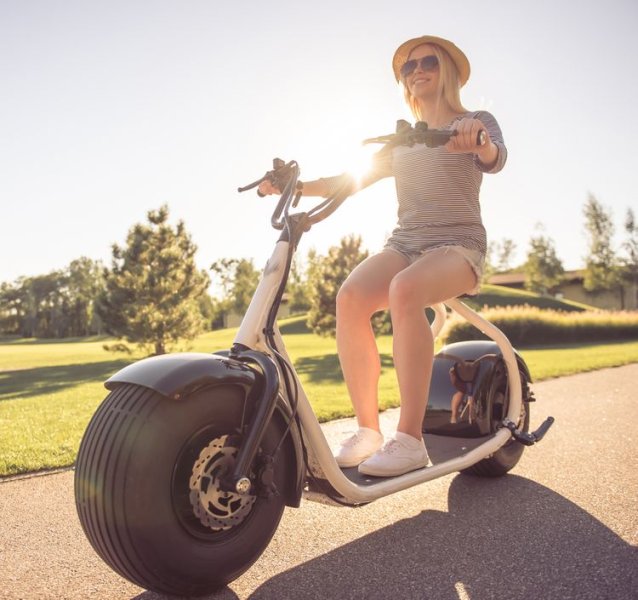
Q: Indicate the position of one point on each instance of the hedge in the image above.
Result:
(532, 326)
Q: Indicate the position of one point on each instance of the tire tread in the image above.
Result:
(99, 467)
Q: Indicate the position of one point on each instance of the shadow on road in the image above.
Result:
(504, 538)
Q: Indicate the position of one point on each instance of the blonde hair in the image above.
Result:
(449, 88)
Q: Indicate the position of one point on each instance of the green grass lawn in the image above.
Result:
(50, 389)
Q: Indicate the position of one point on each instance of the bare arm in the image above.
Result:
(317, 187)
(328, 186)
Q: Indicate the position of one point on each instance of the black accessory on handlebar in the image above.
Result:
(284, 176)
(299, 192)
(406, 135)
(279, 176)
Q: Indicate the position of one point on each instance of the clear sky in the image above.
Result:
(109, 109)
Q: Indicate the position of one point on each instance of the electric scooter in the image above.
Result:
(185, 469)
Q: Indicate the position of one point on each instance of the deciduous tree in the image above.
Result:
(326, 274)
(601, 262)
(298, 288)
(85, 282)
(543, 269)
(630, 246)
(499, 257)
(237, 278)
(56, 305)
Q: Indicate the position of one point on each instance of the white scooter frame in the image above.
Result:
(184, 470)
(250, 335)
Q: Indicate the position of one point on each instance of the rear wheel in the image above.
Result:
(508, 455)
(148, 494)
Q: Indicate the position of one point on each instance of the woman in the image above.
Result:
(436, 252)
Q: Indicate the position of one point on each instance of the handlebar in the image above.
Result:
(279, 176)
(285, 175)
(406, 135)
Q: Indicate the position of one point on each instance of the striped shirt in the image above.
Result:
(437, 192)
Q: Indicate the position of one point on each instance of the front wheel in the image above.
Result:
(508, 455)
(148, 494)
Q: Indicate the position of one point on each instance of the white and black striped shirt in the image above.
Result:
(437, 192)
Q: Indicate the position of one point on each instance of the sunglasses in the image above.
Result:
(427, 63)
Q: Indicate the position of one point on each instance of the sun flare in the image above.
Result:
(359, 161)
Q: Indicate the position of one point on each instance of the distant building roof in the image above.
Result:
(507, 279)
(518, 278)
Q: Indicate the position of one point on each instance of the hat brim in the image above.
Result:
(458, 57)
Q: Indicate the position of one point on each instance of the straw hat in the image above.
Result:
(457, 56)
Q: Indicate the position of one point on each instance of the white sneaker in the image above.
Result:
(358, 447)
(399, 455)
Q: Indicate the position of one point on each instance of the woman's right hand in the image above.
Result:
(266, 188)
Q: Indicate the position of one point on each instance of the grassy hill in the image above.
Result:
(498, 295)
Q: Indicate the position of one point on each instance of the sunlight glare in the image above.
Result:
(359, 161)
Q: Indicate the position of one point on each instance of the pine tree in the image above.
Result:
(153, 288)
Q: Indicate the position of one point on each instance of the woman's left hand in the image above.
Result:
(468, 136)
(472, 136)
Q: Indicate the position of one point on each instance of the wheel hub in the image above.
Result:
(215, 508)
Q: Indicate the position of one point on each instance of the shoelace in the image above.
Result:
(352, 440)
(390, 446)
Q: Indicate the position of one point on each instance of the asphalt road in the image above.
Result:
(563, 524)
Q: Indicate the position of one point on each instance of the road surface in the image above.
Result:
(563, 524)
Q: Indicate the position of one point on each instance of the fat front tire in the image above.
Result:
(148, 496)
(508, 455)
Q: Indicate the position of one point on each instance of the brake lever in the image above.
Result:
(277, 176)
(252, 185)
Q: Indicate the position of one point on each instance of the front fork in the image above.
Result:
(250, 346)
(237, 480)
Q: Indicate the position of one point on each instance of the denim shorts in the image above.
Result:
(474, 258)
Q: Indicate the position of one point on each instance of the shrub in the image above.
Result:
(531, 326)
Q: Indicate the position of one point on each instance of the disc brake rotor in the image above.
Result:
(215, 508)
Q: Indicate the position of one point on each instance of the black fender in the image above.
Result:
(490, 369)
(175, 376)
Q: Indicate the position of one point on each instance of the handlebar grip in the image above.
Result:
(481, 137)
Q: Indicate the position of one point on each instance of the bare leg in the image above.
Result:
(362, 294)
(434, 278)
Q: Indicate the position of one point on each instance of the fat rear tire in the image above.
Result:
(506, 457)
(133, 498)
